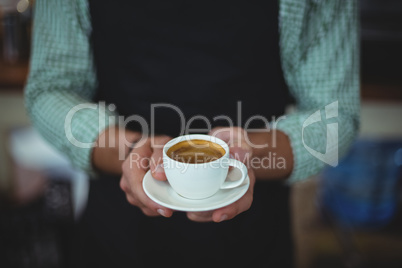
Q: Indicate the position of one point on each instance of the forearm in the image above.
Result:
(62, 82)
(112, 146)
(274, 160)
(320, 62)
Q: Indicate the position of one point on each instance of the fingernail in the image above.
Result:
(223, 217)
(158, 169)
(161, 211)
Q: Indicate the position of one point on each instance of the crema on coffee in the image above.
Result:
(196, 151)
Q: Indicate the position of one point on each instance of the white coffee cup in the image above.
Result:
(200, 180)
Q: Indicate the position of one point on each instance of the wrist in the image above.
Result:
(112, 147)
(273, 152)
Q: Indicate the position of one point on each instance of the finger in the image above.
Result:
(223, 133)
(134, 175)
(134, 171)
(145, 210)
(156, 161)
(138, 159)
(227, 133)
(148, 206)
(130, 198)
(231, 211)
(235, 137)
(204, 216)
(123, 185)
(241, 205)
(156, 165)
(242, 154)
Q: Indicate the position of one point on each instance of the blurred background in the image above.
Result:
(348, 216)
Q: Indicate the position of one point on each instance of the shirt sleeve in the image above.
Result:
(320, 58)
(62, 81)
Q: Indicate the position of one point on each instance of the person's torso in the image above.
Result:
(203, 57)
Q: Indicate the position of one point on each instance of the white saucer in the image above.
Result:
(160, 192)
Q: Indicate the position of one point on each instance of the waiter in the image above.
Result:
(207, 59)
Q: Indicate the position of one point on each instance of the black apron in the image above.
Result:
(206, 58)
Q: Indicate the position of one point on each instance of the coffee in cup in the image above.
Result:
(196, 151)
(196, 166)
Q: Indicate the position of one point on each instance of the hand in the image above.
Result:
(144, 156)
(240, 150)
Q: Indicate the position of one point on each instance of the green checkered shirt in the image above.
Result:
(319, 52)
